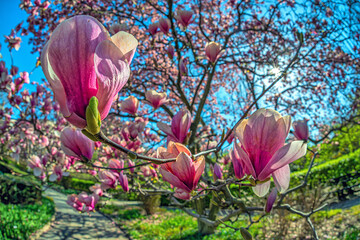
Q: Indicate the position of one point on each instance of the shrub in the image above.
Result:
(20, 221)
(19, 190)
(331, 169)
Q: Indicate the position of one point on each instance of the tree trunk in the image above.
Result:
(204, 229)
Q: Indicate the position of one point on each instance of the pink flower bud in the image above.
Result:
(184, 173)
(184, 17)
(74, 202)
(130, 105)
(108, 179)
(117, 27)
(76, 144)
(180, 126)
(156, 99)
(301, 130)
(170, 51)
(131, 164)
(217, 172)
(82, 45)
(44, 141)
(123, 181)
(97, 189)
(213, 51)
(271, 200)
(183, 67)
(164, 25)
(153, 28)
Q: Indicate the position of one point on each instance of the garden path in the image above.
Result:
(70, 224)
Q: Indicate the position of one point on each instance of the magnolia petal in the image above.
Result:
(261, 189)
(165, 128)
(37, 172)
(75, 120)
(285, 155)
(53, 177)
(184, 169)
(182, 194)
(282, 178)
(173, 180)
(55, 84)
(126, 43)
(112, 72)
(177, 148)
(199, 169)
(245, 158)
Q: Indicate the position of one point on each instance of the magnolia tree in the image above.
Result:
(182, 100)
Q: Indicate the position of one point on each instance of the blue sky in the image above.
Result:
(10, 16)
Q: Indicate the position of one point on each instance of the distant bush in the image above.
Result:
(332, 169)
(19, 190)
(20, 221)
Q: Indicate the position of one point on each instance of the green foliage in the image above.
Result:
(352, 234)
(331, 169)
(178, 225)
(8, 165)
(20, 221)
(19, 190)
(345, 141)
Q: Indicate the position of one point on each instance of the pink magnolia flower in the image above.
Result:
(213, 51)
(74, 202)
(153, 28)
(13, 41)
(35, 164)
(262, 138)
(123, 181)
(164, 25)
(88, 200)
(131, 164)
(81, 60)
(301, 130)
(97, 189)
(76, 144)
(179, 128)
(117, 27)
(183, 67)
(184, 17)
(130, 105)
(57, 173)
(108, 179)
(44, 141)
(217, 172)
(156, 99)
(170, 51)
(114, 163)
(184, 173)
(271, 200)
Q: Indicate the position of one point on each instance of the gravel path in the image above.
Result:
(70, 224)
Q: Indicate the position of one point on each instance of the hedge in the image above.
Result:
(19, 190)
(322, 173)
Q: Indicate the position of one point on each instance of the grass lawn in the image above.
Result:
(20, 221)
(174, 224)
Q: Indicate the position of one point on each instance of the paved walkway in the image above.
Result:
(70, 224)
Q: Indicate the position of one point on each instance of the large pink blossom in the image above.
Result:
(81, 60)
(184, 173)
(179, 128)
(263, 149)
